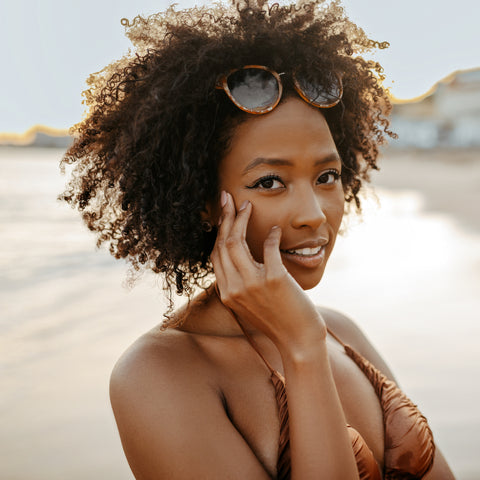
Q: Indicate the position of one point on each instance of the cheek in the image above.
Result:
(336, 210)
(259, 226)
(337, 214)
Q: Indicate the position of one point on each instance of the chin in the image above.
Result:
(307, 281)
(308, 285)
(307, 271)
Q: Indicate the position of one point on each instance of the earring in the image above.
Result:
(207, 226)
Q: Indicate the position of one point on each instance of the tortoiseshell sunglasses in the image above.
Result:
(257, 89)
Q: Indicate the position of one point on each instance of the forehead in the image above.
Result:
(293, 131)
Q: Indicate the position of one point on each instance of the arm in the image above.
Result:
(350, 333)
(172, 422)
(319, 442)
(269, 299)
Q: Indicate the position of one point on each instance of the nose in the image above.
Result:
(308, 209)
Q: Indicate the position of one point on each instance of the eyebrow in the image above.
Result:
(333, 157)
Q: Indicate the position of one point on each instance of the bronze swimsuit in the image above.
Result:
(409, 448)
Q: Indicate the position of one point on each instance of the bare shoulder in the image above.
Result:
(349, 332)
(171, 414)
(155, 355)
(159, 368)
(150, 386)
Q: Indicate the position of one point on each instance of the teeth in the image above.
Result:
(305, 251)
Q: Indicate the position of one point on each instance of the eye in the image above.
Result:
(329, 177)
(269, 182)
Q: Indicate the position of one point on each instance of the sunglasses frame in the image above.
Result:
(222, 84)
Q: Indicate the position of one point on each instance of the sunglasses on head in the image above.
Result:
(257, 89)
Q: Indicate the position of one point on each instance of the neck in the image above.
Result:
(207, 315)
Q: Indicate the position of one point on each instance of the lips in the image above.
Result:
(308, 254)
(304, 252)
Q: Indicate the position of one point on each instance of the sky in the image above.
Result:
(49, 47)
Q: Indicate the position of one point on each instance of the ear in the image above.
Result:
(211, 212)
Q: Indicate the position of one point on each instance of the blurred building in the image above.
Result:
(448, 116)
(37, 136)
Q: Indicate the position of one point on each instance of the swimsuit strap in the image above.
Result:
(278, 381)
(344, 345)
(254, 345)
(249, 338)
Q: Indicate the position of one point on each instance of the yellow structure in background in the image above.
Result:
(446, 80)
(448, 115)
(29, 136)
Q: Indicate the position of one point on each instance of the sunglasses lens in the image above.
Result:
(254, 89)
(321, 95)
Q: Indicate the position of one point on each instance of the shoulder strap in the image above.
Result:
(259, 353)
(254, 345)
(249, 338)
(278, 381)
(336, 338)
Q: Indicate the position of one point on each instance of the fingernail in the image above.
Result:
(243, 206)
(223, 198)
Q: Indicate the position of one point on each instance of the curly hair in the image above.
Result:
(146, 153)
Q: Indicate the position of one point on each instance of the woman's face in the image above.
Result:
(286, 164)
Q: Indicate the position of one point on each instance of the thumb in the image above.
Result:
(271, 254)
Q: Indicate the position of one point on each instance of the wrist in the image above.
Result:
(305, 346)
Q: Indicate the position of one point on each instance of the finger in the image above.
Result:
(222, 232)
(228, 278)
(272, 258)
(236, 242)
(239, 227)
(226, 222)
(227, 217)
(218, 270)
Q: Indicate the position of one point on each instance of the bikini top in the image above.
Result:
(409, 448)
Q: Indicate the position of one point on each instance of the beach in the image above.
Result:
(408, 271)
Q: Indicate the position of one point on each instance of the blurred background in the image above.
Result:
(408, 270)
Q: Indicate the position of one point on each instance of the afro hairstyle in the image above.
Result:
(146, 154)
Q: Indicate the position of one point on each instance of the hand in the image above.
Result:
(265, 295)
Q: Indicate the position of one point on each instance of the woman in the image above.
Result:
(228, 145)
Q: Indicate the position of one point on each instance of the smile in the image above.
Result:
(305, 257)
(305, 252)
